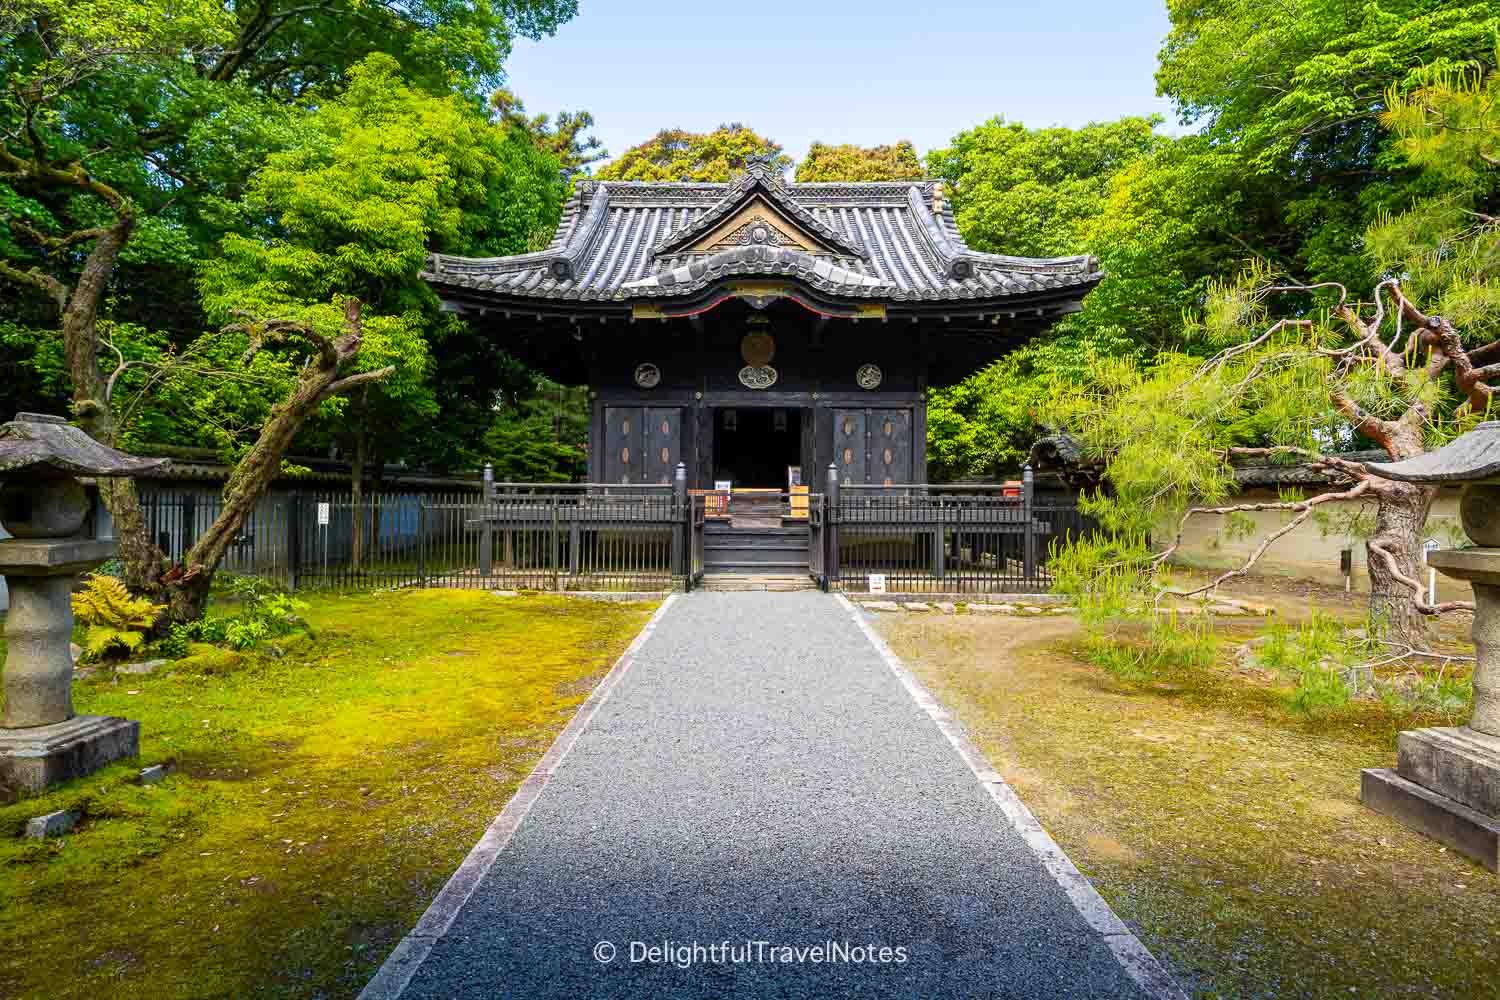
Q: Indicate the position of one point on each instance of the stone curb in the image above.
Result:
(957, 598)
(951, 608)
(395, 974)
(1134, 957)
(621, 596)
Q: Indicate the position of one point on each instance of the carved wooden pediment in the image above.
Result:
(757, 223)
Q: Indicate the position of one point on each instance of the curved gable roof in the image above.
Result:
(893, 242)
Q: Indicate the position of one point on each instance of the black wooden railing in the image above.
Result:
(908, 538)
(921, 538)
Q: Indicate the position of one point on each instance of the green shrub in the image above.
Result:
(263, 613)
(1320, 689)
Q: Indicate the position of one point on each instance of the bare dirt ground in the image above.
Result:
(1223, 826)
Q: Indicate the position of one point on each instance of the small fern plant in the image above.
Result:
(116, 621)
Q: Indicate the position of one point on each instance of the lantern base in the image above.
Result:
(1446, 785)
(34, 759)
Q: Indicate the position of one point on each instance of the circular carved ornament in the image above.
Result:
(757, 349)
(869, 376)
(647, 375)
(758, 376)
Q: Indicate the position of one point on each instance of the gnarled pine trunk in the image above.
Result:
(1400, 515)
(188, 584)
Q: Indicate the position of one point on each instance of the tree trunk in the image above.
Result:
(142, 559)
(1400, 515)
(188, 584)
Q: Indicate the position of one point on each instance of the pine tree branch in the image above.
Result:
(1305, 509)
(1416, 587)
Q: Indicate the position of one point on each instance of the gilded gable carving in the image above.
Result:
(757, 224)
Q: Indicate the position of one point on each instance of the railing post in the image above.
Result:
(1028, 534)
(293, 539)
(684, 516)
(830, 526)
(486, 531)
(556, 555)
(189, 521)
(422, 541)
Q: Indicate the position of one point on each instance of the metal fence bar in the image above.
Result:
(983, 538)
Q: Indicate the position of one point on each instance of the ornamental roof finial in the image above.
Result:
(764, 165)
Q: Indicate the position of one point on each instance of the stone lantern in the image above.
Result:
(43, 507)
(1446, 783)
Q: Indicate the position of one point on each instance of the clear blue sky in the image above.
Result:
(866, 72)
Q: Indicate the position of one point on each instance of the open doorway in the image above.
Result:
(754, 446)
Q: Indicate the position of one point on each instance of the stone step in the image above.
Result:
(783, 567)
(764, 545)
(725, 531)
(749, 581)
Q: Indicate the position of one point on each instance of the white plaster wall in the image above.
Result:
(1303, 553)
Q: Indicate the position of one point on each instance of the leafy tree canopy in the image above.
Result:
(1030, 191)
(540, 436)
(376, 179)
(898, 162)
(675, 155)
(562, 136)
(1302, 85)
(1303, 373)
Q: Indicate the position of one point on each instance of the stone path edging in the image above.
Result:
(391, 980)
(1134, 957)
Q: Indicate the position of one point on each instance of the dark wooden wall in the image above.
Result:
(815, 360)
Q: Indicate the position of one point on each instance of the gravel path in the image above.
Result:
(761, 775)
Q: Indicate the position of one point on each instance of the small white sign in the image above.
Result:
(877, 583)
(323, 514)
(1431, 545)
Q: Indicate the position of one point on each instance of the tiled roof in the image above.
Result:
(1063, 453)
(1299, 473)
(629, 240)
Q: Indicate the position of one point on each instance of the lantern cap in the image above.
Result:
(46, 445)
(1472, 457)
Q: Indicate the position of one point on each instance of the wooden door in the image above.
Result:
(849, 445)
(890, 447)
(663, 443)
(624, 441)
(873, 447)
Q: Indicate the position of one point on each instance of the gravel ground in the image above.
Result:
(761, 776)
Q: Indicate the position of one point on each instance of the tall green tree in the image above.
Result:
(1295, 94)
(1299, 373)
(540, 435)
(897, 162)
(1032, 192)
(563, 135)
(130, 128)
(375, 179)
(675, 155)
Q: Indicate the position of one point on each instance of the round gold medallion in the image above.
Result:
(757, 349)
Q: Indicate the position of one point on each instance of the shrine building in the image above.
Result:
(759, 330)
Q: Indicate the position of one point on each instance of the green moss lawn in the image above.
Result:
(320, 798)
(1219, 822)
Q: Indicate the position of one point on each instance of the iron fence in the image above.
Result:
(613, 537)
(917, 538)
